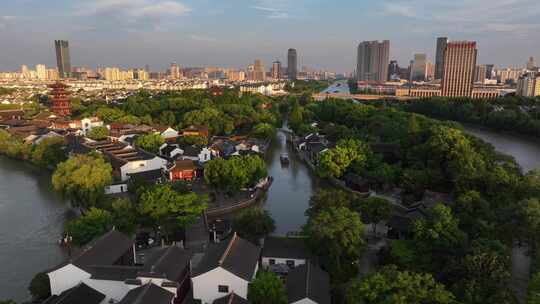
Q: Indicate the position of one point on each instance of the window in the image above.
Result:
(290, 263)
(271, 261)
(223, 288)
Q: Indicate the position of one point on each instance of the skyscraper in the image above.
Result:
(531, 63)
(529, 85)
(41, 71)
(292, 64)
(439, 57)
(372, 61)
(62, 58)
(174, 71)
(419, 68)
(489, 71)
(459, 66)
(480, 73)
(276, 70)
(393, 70)
(259, 73)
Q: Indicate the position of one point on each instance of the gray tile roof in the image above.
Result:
(171, 262)
(103, 251)
(231, 298)
(285, 247)
(235, 254)
(148, 294)
(308, 281)
(80, 294)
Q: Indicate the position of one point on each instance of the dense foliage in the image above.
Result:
(234, 174)
(267, 288)
(92, 224)
(82, 179)
(464, 245)
(150, 142)
(514, 114)
(223, 114)
(253, 224)
(98, 133)
(398, 287)
(40, 286)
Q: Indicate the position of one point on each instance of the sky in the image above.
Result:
(232, 33)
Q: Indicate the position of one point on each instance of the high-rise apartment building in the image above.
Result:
(372, 61)
(174, 71)
(63, 59)
(480, 73)
(531, 64)
(393, 70)
(490, 69)
(439, 56)
(509, 75)
(292, 64)
(259, 73)
(276, 70)
(459, 66)
(419, 68)
(529, 85)
(41, 71)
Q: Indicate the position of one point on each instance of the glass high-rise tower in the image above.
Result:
(292, 64)
(62, 58)
(439, 57)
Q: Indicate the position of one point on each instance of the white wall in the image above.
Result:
(205, 155)
(120, 188)
(142, 166)
(65, 278)
(205, 286)
(266, 261)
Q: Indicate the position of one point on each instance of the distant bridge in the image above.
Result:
(323, 96)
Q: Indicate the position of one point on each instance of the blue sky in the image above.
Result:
(131, 33)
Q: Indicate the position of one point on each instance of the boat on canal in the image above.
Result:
(284, 158)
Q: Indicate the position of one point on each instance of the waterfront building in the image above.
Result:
(372, 61)
(439, 56)
(292, 64)
(419, 68)
(459, 66)
(63, 59)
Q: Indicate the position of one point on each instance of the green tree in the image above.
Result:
(193, 140)
(533, 294)
(375, 209)
(253, 224)
(163, 204)
(98, 133)
(325, 199)
(40, 287)
(336, 234)
(267, 288)
(390, 286)
(92, 224)
(235, 173)
(82, 179)
(124, 215)
(49, 152)
(335, 162)
(150, 142)
(263, 130)
(7, 302)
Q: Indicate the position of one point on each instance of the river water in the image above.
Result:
(31, 219)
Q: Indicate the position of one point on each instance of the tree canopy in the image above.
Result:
(92, 224)
(150, 142)
(82, 179)
(235, 173)
(267, 288)
(253, 224)
(390, 286)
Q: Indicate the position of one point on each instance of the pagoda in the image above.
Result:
(60, 100)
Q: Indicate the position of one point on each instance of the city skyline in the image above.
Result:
(210, 33)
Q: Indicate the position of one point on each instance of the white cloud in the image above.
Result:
(277, 9)
(469, 16)
(135, 8)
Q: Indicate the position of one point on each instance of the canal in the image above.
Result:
(31, 221)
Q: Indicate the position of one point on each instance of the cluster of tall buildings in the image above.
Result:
(455, 71)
